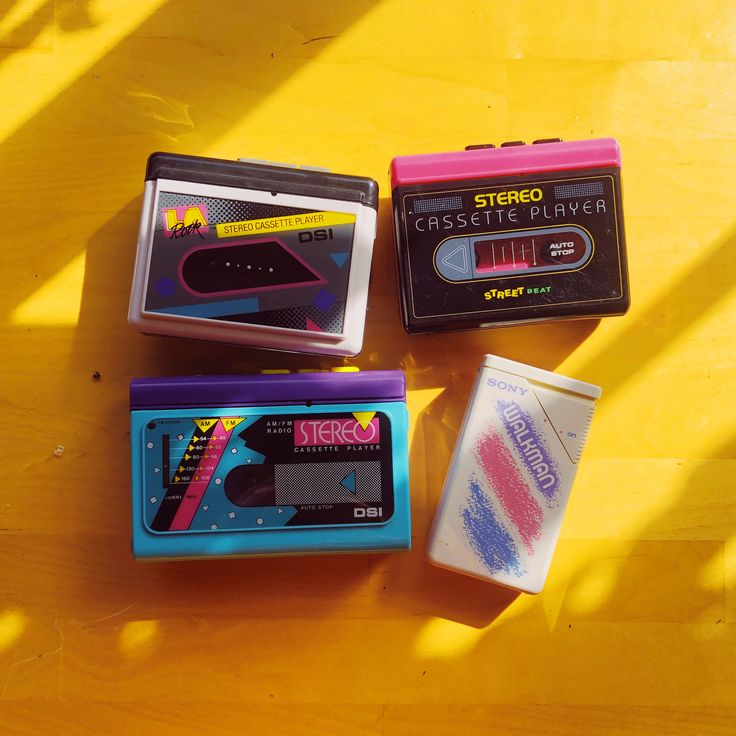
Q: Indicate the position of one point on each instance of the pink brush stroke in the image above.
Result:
(502, 473)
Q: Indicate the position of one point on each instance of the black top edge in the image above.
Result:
(262, 177)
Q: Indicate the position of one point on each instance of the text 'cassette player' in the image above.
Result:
(257, 254)
(295, 463)
(521, 233)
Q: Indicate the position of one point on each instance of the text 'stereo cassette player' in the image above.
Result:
(256, 254)
(522, 233)
(295, 463)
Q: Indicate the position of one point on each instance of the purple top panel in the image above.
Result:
(183, 392)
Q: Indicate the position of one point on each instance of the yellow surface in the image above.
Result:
(635, 630)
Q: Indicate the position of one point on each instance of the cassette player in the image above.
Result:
(522, 233)
(258, 254)
(293, 463)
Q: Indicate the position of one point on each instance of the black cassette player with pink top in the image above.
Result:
(490, 236)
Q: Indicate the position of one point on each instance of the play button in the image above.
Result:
(454, 259)
(457, 259)
(348, 482)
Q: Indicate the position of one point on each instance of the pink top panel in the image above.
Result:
(484, 162)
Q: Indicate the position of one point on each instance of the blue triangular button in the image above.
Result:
(349, 482)
(339, 258)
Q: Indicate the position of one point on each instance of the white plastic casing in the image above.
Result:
(511, 474)
(275, 338)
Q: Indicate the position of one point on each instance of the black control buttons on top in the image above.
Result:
(509, 144)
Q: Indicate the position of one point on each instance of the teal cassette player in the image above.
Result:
(300, 463)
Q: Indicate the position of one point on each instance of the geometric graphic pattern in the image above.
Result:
(324, 300)
(331, 320)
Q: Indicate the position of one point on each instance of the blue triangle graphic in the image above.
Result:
(339, 258)
(349, 482)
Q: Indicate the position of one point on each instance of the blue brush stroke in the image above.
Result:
(490, 540)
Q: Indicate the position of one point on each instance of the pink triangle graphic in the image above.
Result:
(313, 326)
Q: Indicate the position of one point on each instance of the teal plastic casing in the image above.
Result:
(284, 464)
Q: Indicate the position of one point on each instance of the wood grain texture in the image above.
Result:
(635, 630)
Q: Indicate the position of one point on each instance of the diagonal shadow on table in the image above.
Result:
(439, 423)
(182, 98)
(67, 15)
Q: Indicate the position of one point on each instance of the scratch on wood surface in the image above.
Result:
(317, 38)
(59, 650)
(10, 673)
(57, 626)
(91, 624)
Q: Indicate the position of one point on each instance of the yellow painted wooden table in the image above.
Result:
(635, 630)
